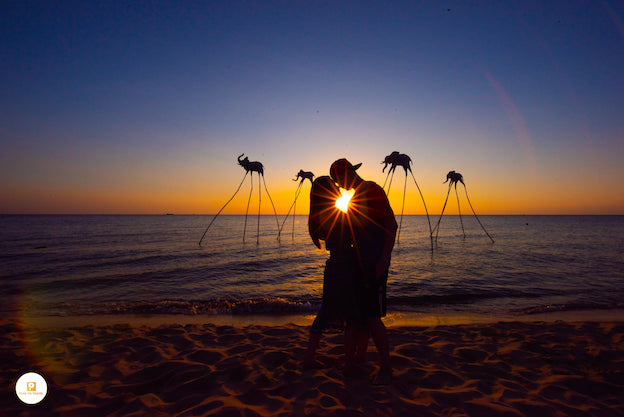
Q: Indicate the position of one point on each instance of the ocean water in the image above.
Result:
(110, 265)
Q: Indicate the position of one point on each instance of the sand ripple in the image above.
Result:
(504, 369)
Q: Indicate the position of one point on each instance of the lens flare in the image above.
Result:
(342, 202)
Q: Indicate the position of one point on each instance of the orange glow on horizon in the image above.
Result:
(491, 197)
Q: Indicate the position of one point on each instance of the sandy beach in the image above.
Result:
(499, 369)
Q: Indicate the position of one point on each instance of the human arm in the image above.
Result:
(384, 217)
(322, 217)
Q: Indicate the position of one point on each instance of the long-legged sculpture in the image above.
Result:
(249, 166)
(454, 178)
(303, 175)
(400, 159)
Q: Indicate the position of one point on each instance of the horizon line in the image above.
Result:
(283, 214)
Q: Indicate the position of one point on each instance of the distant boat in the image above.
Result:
(169, 214)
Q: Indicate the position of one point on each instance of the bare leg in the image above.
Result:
(350, 342)
(380, 337)
(361, 346)
(309, 361)
(356, 342)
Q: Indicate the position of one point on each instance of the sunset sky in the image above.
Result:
(143, 107)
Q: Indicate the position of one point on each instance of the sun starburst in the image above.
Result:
(342, 202)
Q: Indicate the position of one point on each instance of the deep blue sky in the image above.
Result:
(144, 107)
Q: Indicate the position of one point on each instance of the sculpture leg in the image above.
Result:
(390, 185)
(294, 214)
(437, 227)
(387, 175)
(291, 206)
(219, 212)
(248, 201)
(259, 204)
(459, 211)
(274, 211)
(295, 207)
(425, 205)
(402, 208)
(475, 214)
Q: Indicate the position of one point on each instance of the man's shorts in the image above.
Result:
(340, 282)
(373, 298)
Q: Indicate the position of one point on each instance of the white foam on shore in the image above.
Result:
(392, 320)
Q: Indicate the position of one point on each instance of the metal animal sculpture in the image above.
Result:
(253, 166)
(400, 159)
(397, 159)
(250, 167)
(303, 175)
(454, 178)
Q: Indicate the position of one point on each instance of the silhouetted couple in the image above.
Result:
(360, 243)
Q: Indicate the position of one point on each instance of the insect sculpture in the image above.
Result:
(304, 175)
(400, 159)
(250, 167)
(454, 178)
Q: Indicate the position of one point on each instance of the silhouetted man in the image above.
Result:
(360, 243)
(373, 227)
(326, 222)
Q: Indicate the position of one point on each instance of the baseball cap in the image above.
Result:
(342, 165)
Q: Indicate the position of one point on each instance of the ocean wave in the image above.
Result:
(275, 306)
(462, 297)
(72, 265)
(564, 307)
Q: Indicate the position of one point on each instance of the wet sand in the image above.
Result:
(480, 369)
